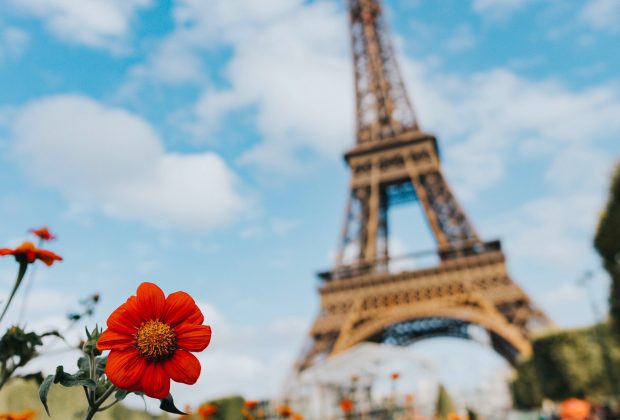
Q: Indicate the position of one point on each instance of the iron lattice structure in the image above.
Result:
(393, 162)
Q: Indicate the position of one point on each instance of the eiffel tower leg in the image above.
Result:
(442, 241)
(372, 223)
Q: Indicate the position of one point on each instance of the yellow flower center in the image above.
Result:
(155, 341)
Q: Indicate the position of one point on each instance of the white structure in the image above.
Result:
(317, 391)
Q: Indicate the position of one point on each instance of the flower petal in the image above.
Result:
(155, 381)
(126, 318)
(183, 367)
(180, 307)
(6, 251)
(193, 337)
(113, 340)
(125, 369)
(48, 257)
(150, 300)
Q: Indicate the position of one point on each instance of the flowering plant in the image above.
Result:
(18, 347)
(150, 338)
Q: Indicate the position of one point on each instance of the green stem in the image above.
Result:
(90, 402)
(93, 370)
(105, 407)
(95, 406)
(91, 413)
(23, 266)
(7, 372)
(105, 395)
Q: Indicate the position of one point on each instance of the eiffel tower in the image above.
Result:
(394, 161)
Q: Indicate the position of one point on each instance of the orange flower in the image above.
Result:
(346, 405)
(284, 411)
(574, 409)
(453, 416)
(395, 376)
(27, 253)
(150, 338)
(43, 233)
(297, 416)
(409, 398)
(24, 415)
(207, 410)
(250, 404)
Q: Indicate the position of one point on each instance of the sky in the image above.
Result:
(198, 145)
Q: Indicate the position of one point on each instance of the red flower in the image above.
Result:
(207, 410)
(284, 411)
(27, 253)
(24, 415)
(346, 405)
(250, 404)
(150, 338)
(573, 408)
(395, 376)
(43, 233)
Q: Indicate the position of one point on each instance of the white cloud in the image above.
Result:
(111, 160)
(13, 43)
(601, 14)
(462, 39)
(174, 61)
(552, 230)
(239, 354)
(102, 24)
(567, 293)
(290, 62)
(488, 118)
(555, 230)
(298, 80)
(201, 26)
(498, 9)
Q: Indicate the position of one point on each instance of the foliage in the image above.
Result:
(17, 348)
(86, 376)
(607, 243)
(21, 395)
(572, 363)
(88, 305)
(444, 404)
(228, 408)
(525, 388)
(566, 364)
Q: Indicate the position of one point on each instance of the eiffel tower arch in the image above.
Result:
(394, 161)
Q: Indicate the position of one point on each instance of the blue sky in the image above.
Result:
(197, 144)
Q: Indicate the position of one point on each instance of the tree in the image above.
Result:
(607, 243)
(568, 363)
(525, 387)
(228, 408)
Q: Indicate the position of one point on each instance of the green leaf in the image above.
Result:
(121, 394)
(65, 379)
(44, 389)
(100, 363)
(84, 364)
(167, 404)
